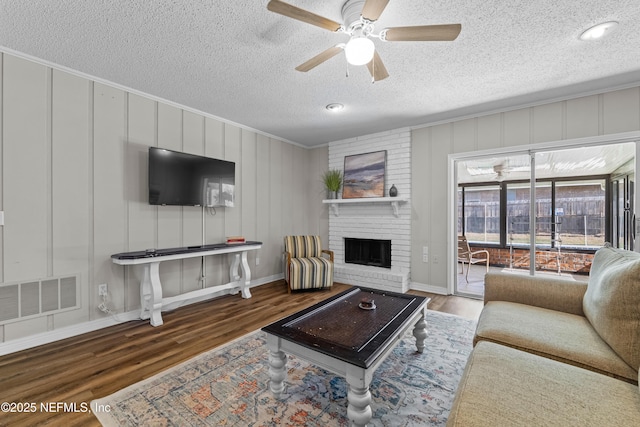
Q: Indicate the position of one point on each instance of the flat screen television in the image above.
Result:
(183, 179)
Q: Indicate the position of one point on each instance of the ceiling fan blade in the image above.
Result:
(373, 9)
(290, 11)
(376, 68)
(446, 32)
(319, 59)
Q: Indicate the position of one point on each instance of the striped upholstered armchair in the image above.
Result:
(306, 267)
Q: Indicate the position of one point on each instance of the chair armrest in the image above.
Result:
(546, 292)
(330, 253)
(484, 251)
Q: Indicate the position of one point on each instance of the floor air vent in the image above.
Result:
(38, 298)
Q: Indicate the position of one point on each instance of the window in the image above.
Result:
(544, 217)
(570, 213)
(481, 205)
(518, 209)
(580, 213)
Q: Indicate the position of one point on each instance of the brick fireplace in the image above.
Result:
(375, 220)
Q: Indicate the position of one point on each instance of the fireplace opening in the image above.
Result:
(367, 252)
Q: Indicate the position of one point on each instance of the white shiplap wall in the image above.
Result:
(73, 155)
(375, 220)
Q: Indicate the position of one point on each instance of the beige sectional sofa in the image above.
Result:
(552, 352)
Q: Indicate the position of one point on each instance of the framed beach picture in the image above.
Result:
(364, 175)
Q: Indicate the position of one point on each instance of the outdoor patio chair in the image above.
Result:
(466, 255)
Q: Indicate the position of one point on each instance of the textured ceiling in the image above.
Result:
(235, 60)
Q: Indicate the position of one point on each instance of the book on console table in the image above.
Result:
(234, 240)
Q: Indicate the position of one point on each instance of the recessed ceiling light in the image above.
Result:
(598, 31)
(335, 107)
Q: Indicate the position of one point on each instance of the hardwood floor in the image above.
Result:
(80, 369)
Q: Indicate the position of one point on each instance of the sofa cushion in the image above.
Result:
(552, 292)
(565, 337)
(612, 301)
(502, 386)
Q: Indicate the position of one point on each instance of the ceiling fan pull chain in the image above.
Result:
(373, 71)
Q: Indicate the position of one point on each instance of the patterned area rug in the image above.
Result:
(228, 386)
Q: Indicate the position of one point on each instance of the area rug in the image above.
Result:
(228, 386)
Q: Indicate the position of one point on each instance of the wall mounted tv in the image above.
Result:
(183, 179)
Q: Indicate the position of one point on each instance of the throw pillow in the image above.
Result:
(612, 301)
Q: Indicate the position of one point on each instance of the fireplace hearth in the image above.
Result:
(371, 252)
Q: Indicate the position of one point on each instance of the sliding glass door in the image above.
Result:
(544, 211)
(493, 215)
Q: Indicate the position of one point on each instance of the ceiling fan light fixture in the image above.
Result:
(359, 50)
(598, 31)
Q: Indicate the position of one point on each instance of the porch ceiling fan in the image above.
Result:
(359, 18)
(500, 168)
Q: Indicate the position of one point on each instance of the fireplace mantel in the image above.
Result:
(394, 201)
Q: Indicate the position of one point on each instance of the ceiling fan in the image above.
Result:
(500, 168)
(359, 17)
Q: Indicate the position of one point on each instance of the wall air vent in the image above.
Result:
(40, 297)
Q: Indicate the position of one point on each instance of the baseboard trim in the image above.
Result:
(66, 332)
(428, 288)
(94, 325)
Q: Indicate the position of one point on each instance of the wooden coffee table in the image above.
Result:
(341, 336)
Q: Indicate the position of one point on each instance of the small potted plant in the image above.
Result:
(332, 180)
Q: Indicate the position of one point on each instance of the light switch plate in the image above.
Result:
(1, 217)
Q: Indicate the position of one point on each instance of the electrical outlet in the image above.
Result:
(257, 260)
(425, 254)
(102, 290)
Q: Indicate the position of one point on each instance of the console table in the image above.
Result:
(151, 301)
